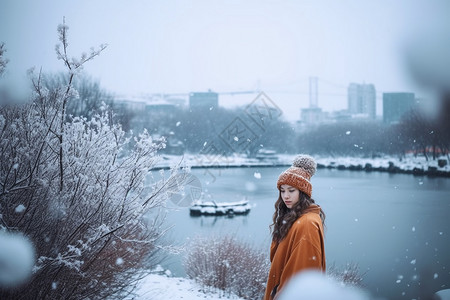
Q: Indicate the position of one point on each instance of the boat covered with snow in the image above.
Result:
(212, 208)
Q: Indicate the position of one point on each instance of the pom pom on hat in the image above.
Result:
(305, 162)
(298, 175)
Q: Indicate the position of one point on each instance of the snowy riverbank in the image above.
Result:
(161, 285)
(409, 164)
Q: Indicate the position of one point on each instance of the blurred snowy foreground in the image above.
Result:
(16, 259)
(307, 285)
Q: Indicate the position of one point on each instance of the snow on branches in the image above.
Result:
(79, 189)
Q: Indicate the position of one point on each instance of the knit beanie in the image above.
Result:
(299, 174)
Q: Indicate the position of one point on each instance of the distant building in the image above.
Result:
(362, 100)
(126, 104)
(340, 116)
(312, 115)
(160, 107)
(207, 100)
(395, 105)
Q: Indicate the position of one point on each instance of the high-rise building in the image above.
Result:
(362, 100)
(204, 101)
(395, 105)
(313, 114)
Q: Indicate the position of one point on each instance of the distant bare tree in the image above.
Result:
(3, 60)
(443, 125)
(72, 187)
(345, 138)
(417, 133)
(89, 95)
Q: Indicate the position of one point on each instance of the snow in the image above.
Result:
(443, 294)
(306, 285)
(20, 208)
(315, 285)
(156, 286)
(16, 258)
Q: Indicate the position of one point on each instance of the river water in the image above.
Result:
(395, 227)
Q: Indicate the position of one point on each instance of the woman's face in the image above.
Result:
(289, 194)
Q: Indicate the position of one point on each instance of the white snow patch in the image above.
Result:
(315, 285)
(162, 287)
(16, 259)
(443, 294)
(20, 208)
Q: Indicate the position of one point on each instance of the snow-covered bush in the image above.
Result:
(76, 188)
(227, 264)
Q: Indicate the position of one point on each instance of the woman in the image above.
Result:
(297, 229)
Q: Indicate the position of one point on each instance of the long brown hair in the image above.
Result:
(283, 218)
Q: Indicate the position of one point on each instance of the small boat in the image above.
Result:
(211, 208)
(268, 156)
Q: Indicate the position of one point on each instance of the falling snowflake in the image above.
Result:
(20, 208)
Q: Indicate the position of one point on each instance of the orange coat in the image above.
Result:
(302, 248)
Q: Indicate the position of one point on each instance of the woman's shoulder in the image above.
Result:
(310, 217)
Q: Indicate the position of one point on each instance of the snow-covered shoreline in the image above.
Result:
(161, 285)
(408, 165)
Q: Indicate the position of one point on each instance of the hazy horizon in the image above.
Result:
(181, 47)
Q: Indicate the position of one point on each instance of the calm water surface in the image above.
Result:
(396, 227)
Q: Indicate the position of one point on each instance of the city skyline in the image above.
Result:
(361, 101)
(182, 47)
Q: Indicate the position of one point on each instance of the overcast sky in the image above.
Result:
(171, 46)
